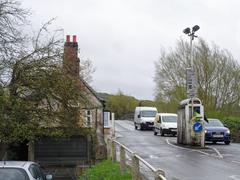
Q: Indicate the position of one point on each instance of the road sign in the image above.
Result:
(191, 83)
(197, 127)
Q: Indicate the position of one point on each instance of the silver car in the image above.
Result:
(21, 170)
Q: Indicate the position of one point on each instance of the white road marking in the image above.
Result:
(193, 150)
(235, 177)
(175, 145)
(118, 135)
(186, 148)
(153, 157)
(238, 162)
(219, 154)
(178, 155)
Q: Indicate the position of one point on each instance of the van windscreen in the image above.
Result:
(170, 119)
(148, 113)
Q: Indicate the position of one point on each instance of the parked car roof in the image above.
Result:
(167, 114)
(21, 164)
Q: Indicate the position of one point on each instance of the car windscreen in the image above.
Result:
(169, 119)
(214, 123)
(13, 174)
(148, 113)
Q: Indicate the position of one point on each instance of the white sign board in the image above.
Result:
(106, 118)
(191, 83)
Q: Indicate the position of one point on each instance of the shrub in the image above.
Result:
(106, 170)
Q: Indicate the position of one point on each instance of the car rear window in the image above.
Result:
(214, 123)
(13, 174)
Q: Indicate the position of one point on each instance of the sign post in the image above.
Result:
(191, 83)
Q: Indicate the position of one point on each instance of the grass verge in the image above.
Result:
(106, 170)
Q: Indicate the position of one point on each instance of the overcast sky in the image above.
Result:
(124, 38)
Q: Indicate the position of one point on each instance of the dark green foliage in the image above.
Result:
(44, 101)
(233, 123)
(121, 104)
(105, 170)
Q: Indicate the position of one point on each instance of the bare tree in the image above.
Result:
(35, 91)
(86, 69)
(217, 75)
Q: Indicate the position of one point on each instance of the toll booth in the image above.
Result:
(190, 131)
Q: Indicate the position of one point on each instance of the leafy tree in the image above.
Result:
(121, 104)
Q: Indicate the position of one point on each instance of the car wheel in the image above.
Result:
(174, 134)
(227, 142)
(141, 127)
(155, 132)
(161, 132)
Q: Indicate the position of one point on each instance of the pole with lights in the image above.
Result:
(191, 79)
(192, 35)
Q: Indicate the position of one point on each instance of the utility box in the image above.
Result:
(186, 123)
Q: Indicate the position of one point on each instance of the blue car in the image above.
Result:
(216, 132)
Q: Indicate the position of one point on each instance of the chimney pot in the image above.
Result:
(74, 38)
(68, 38)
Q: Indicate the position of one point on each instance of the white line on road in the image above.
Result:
(193, 150)
(118, 135)
(175, 145)
(235, 177)
(238, 162)
(219, 154)
(186, 148)
(153, 157)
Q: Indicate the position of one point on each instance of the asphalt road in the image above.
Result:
(216, 162)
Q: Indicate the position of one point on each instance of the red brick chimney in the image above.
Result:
(70, 57)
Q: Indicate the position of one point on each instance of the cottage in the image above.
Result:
(70, 154)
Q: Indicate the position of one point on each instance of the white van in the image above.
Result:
(144, 117)
(165, 123)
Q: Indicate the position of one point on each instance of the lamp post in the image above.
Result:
(191, 84)
(191, 80)
(192, 35)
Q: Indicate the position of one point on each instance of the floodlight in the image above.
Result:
(195, 28)
(186, 31)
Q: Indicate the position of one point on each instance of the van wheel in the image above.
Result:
(161, 132)
(155, 132)
(135, 125)
(227, 142)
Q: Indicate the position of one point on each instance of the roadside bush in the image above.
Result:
(233, 123)
(106, 170)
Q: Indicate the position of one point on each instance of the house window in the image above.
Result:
(88, 118)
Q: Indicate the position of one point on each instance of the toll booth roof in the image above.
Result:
(189, 101)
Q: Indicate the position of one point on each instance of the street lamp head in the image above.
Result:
(186, 31)
(195, 28)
